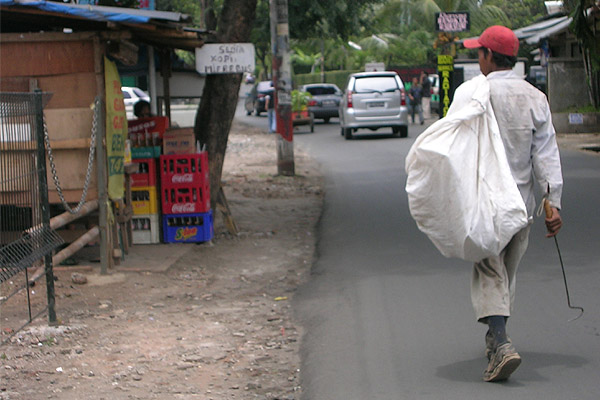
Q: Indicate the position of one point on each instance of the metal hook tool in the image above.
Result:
(549, 213)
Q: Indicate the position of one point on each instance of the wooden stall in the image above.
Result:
(62, 51)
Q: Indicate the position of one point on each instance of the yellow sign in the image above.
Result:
(116, 130)
(445, 60)
(445, 67)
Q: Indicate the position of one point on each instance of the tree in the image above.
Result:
(585, 14)
(219, 98)
(520, 13)
(261, 37)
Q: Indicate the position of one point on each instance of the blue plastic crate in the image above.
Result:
(188, 228)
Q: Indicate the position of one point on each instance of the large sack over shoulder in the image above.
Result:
(461, 192)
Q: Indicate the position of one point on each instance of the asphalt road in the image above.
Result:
(387, 317)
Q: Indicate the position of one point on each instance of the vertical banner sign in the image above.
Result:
(116, 130)
(445, 72)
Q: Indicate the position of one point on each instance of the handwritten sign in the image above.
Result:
(225, 58)
(452, 22)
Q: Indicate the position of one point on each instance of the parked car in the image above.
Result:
(255, 100)
(325, 100)
(374, 100)
(132, 95)
(435, 93)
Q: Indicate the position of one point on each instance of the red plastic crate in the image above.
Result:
(183, 170)
(147, 174)
(190, 199)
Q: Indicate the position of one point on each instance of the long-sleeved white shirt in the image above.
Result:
(525, 123)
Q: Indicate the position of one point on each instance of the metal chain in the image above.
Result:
(97, 105)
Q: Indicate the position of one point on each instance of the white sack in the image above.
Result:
(461, 192)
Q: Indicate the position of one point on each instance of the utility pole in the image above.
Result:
(282, 83)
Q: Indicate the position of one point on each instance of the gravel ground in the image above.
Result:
(216, 325)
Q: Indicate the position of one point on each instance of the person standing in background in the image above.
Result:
(415, 94)
(270, 106)
(426, 100)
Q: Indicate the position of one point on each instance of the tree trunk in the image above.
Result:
(220, 96)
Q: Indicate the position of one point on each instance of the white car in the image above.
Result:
(374, 100)
(132, 95)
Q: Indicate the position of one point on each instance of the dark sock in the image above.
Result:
(497, 325)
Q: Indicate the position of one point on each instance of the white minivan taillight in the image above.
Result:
(350, 99)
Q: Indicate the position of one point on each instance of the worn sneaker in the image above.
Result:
(504, 361)
(489, 345)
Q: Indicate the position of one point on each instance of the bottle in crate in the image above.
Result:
(187, 228)
(184, 169)
(146, 229)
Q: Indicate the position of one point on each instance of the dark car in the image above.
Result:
(325, 100)
(255, 100)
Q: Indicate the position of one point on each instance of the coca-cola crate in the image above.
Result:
(185, 200)
(184, 169)
(147, 173)
(188, 228)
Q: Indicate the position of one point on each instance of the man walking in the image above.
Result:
(415, 94)
(525, 123)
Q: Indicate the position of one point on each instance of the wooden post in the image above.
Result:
(45, 210)
(165, 70)
(152, 81)
(282, 82)
(101, 162)
(105, 237)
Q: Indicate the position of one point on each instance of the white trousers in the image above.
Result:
(494, 279)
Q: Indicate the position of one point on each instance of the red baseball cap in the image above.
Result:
(496, 38)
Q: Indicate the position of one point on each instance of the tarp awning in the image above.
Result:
(99, 13)
(158, 28)
(532, 34)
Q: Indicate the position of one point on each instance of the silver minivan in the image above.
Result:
(374, 100)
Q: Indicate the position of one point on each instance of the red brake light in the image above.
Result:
(350, 99)
(402, 98)
(312, 103)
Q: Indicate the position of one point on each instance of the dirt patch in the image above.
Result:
(216, 325)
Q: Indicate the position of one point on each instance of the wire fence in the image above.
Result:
(26, 239)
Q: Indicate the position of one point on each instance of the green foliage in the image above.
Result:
(303, 62)
(318, 18)
(261, 37)
(300, 100)
(520, 13)
(583, 30)
(188, 7)
(583, 109)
